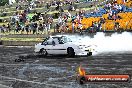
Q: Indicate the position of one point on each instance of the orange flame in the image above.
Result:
(81, 71)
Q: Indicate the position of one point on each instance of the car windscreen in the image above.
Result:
(65, 39)
(47, 38)
(59, 39)
(62, 39)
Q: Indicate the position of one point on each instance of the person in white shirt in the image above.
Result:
(119, 7)
(69, 14)
(73, 26)
(60, 20)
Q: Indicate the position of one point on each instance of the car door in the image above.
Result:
(58, 48)
(48, 46)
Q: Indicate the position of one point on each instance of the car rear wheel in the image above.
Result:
(90, 54)
(70, 52)
(43, 52)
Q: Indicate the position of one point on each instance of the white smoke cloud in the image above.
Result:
(114, 43)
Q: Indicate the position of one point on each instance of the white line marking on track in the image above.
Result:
(43, 83)
(4, 86)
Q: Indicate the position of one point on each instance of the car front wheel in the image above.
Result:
(70, 52)
(43, 52)
(90, 54)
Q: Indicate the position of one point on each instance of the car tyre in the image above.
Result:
(43, 52)
(90, 54)
(70, 52)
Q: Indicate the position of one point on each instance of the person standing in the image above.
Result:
(73, 27)
(60, 20)
(44, 27)
(35, 25)
(40, 28)
(8, 27)
(48, 27)
(27, 28)
(80, 27)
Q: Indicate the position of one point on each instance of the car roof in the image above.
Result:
(57, 36)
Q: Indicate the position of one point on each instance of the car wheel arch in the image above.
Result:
(41, 50)
(70, 52)
(69, 48)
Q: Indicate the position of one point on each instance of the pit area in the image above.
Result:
(59, 71)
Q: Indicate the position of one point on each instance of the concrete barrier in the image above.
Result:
(20, 43)
(25, 36)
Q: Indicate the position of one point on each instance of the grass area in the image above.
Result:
(10, 8)
(12, 32)
(9, 12)
(52, 12)
(12, 11)
(31, 15)
(88, 8)
(5, 17)
(21, 39)
(3, 23)
(39, 8)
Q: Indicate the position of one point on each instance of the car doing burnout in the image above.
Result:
(61, 45)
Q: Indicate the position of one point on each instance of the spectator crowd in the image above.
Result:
(21, 22)
(41, 23)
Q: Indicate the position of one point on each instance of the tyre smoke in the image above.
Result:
(113, 43)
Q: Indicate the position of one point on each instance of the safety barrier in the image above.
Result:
(25, 36)
(20, 43)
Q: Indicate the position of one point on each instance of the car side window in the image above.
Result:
(49, 42)
(44, 43)
(61, 42)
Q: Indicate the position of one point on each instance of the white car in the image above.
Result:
(61, 45)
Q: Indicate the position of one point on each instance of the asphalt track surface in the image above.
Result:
(59, 71)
